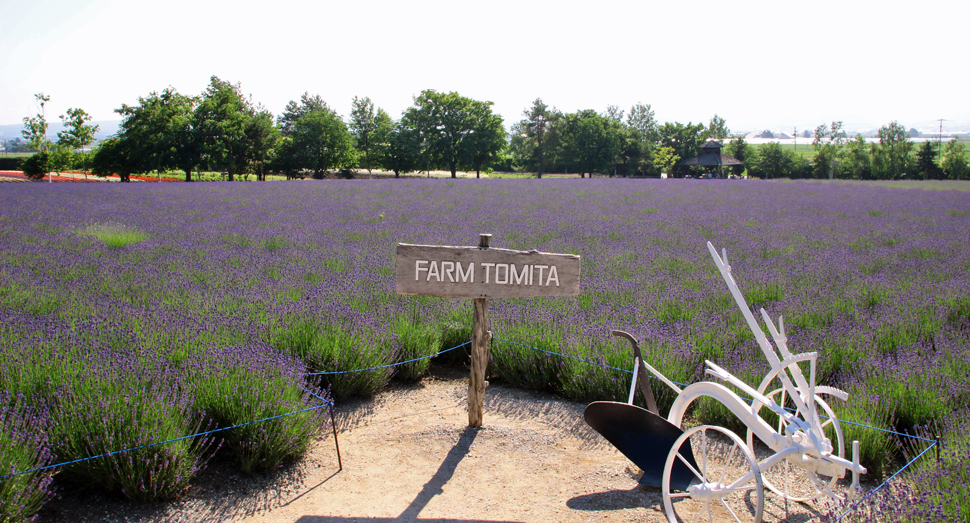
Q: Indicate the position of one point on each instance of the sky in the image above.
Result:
(758, 64)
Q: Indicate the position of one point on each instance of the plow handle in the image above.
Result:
(639, 371)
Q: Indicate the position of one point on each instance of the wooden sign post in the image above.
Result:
(481, 273)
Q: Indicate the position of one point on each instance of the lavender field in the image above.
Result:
(146, 312)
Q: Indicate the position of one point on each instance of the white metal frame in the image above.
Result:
(799, 443)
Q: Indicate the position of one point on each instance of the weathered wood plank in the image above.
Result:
(479, 363)
(473, 272)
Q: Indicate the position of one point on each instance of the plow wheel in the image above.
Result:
(726, 484)
(788, 480)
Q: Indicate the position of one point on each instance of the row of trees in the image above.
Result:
(223, 130)
(67, 151)
(584, 142)
(837, 156)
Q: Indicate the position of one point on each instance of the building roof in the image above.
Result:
(711, 155)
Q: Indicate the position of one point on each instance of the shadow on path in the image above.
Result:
(432, 488)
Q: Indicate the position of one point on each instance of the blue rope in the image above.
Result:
(325, 403)
(889, 431)
(386, 366)
(749, 400)
(884, 483)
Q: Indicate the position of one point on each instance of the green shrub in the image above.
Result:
(23, 446)
(123, 403)
(415, 340)
(37, 166)
(239, 386)
(334, 349)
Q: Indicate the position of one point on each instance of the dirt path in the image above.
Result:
(408, 455)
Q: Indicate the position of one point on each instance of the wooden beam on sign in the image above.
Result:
(474, 272)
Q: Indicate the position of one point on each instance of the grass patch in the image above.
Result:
(115, 235)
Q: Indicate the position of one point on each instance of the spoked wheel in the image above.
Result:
(788, 480)
(726, 484)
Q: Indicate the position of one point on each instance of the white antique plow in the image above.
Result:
(709, 473)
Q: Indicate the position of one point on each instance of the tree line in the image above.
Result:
(223, 130)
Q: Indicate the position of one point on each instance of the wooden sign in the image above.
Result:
(474, 272)
(482, 273)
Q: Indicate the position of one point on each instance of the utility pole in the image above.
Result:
(794, 135)
(940, 142)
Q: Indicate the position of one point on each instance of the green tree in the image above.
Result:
(537, 130)
(35, 127)
(294, 111)
(114, 156)
(285, 159)
(773, 161)
(926, 162)
(829, 148)
(77, 134)
(261, 137)
(642, 119)
(955, 160)
(739, 150)
(665, 158)
(614, 113)
(858, 159)
(403, 153)
(487, 138)
(363, 126)
(159, 133)
(383, 131)
(446, 121)
(717, 129)
(220, 122)
(891, 158)
(640, 137)
(685, 140)
(636, 155)
(591, 141)
(321, 142)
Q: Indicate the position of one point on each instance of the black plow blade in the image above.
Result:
(645, 438)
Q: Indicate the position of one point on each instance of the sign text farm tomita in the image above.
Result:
(473, 272)
(482, 273)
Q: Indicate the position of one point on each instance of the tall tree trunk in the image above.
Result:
(230, 172)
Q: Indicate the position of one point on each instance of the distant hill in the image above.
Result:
(108, 128)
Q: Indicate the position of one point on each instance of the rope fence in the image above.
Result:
(330, 404)
(386, 366)
(324, 404)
